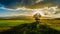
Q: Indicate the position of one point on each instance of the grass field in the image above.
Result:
(55, 24)
(5, 24)
(14, 22)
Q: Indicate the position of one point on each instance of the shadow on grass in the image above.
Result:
(31, 28)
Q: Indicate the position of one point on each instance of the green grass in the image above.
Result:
(13, 22)
(7, 24)
(55, 24)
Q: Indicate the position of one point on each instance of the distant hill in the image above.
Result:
(22, 17)
(17, 17)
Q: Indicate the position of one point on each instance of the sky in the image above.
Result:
(18, 7)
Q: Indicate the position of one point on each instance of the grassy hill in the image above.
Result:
(31, 28)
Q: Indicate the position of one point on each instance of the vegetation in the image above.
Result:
(30, 26)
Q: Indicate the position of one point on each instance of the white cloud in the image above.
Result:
(26, 11)
(38, 1)
(7, 9)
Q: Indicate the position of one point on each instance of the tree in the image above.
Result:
(37, 17)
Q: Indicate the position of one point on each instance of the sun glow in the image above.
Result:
(39, 11)
(46, 11)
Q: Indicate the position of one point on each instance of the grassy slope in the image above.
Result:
(31, 28)
(52, 23)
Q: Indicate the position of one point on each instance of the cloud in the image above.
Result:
(16, 3)
(38, 1)
(13, 4)
(22, 6)
(6, 12)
